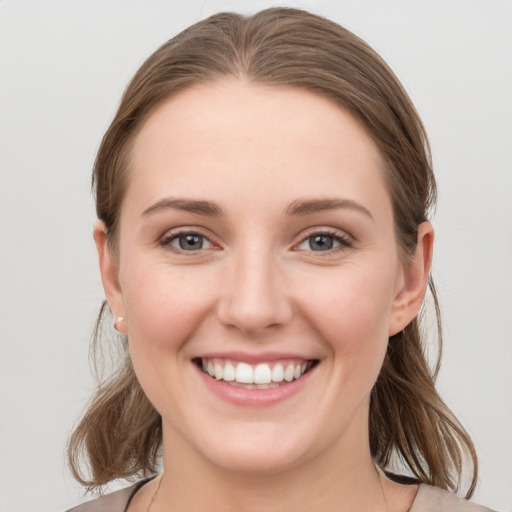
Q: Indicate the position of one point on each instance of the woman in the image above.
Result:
(264, 244)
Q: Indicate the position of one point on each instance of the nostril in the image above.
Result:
(254, 300)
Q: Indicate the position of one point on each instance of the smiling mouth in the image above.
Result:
(257, 376)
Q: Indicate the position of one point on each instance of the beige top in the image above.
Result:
(428, 499)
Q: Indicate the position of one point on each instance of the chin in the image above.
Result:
(257, 449)
(255, 461)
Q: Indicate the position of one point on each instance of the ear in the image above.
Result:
(414, 281)
(109, 275)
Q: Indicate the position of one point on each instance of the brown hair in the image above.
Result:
(120, 433)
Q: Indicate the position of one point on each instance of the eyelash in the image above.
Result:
(344, 242)
(169, 239)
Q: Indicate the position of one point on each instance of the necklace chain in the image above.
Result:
(155, 493)
(383, 494)
(378, 477)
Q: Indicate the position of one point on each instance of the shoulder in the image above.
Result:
(433, 499)
(116, 501)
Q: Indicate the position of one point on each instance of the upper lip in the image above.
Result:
(260, 357)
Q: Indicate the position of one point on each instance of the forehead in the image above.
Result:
(266, 114)
(226, 135)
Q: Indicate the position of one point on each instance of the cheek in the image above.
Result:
(164, 309)
(164, 306)
(350, 310)
(353, 302)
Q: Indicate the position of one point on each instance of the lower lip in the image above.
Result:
(254, 397)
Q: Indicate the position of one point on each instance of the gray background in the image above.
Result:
(63, 68)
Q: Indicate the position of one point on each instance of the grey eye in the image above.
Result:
(190, 242)
(187, 242)
(325, 242)
(320, 242)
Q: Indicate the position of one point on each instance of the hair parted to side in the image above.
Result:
(120, 433)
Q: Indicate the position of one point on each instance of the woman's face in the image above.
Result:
(257, 243)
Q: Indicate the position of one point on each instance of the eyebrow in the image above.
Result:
(187, 205)
(310, 206)
(297, 207)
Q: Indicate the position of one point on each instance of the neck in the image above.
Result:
(338, 478)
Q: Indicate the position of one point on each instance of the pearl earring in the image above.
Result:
(117, 319)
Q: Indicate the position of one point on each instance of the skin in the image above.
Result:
(259, 286)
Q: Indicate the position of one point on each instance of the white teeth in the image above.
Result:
(218, 371)
(229, 372)
(244, 373)
(277, 373)
(262, 374)
(288, 373)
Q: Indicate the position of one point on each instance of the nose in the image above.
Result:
(253, 297)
